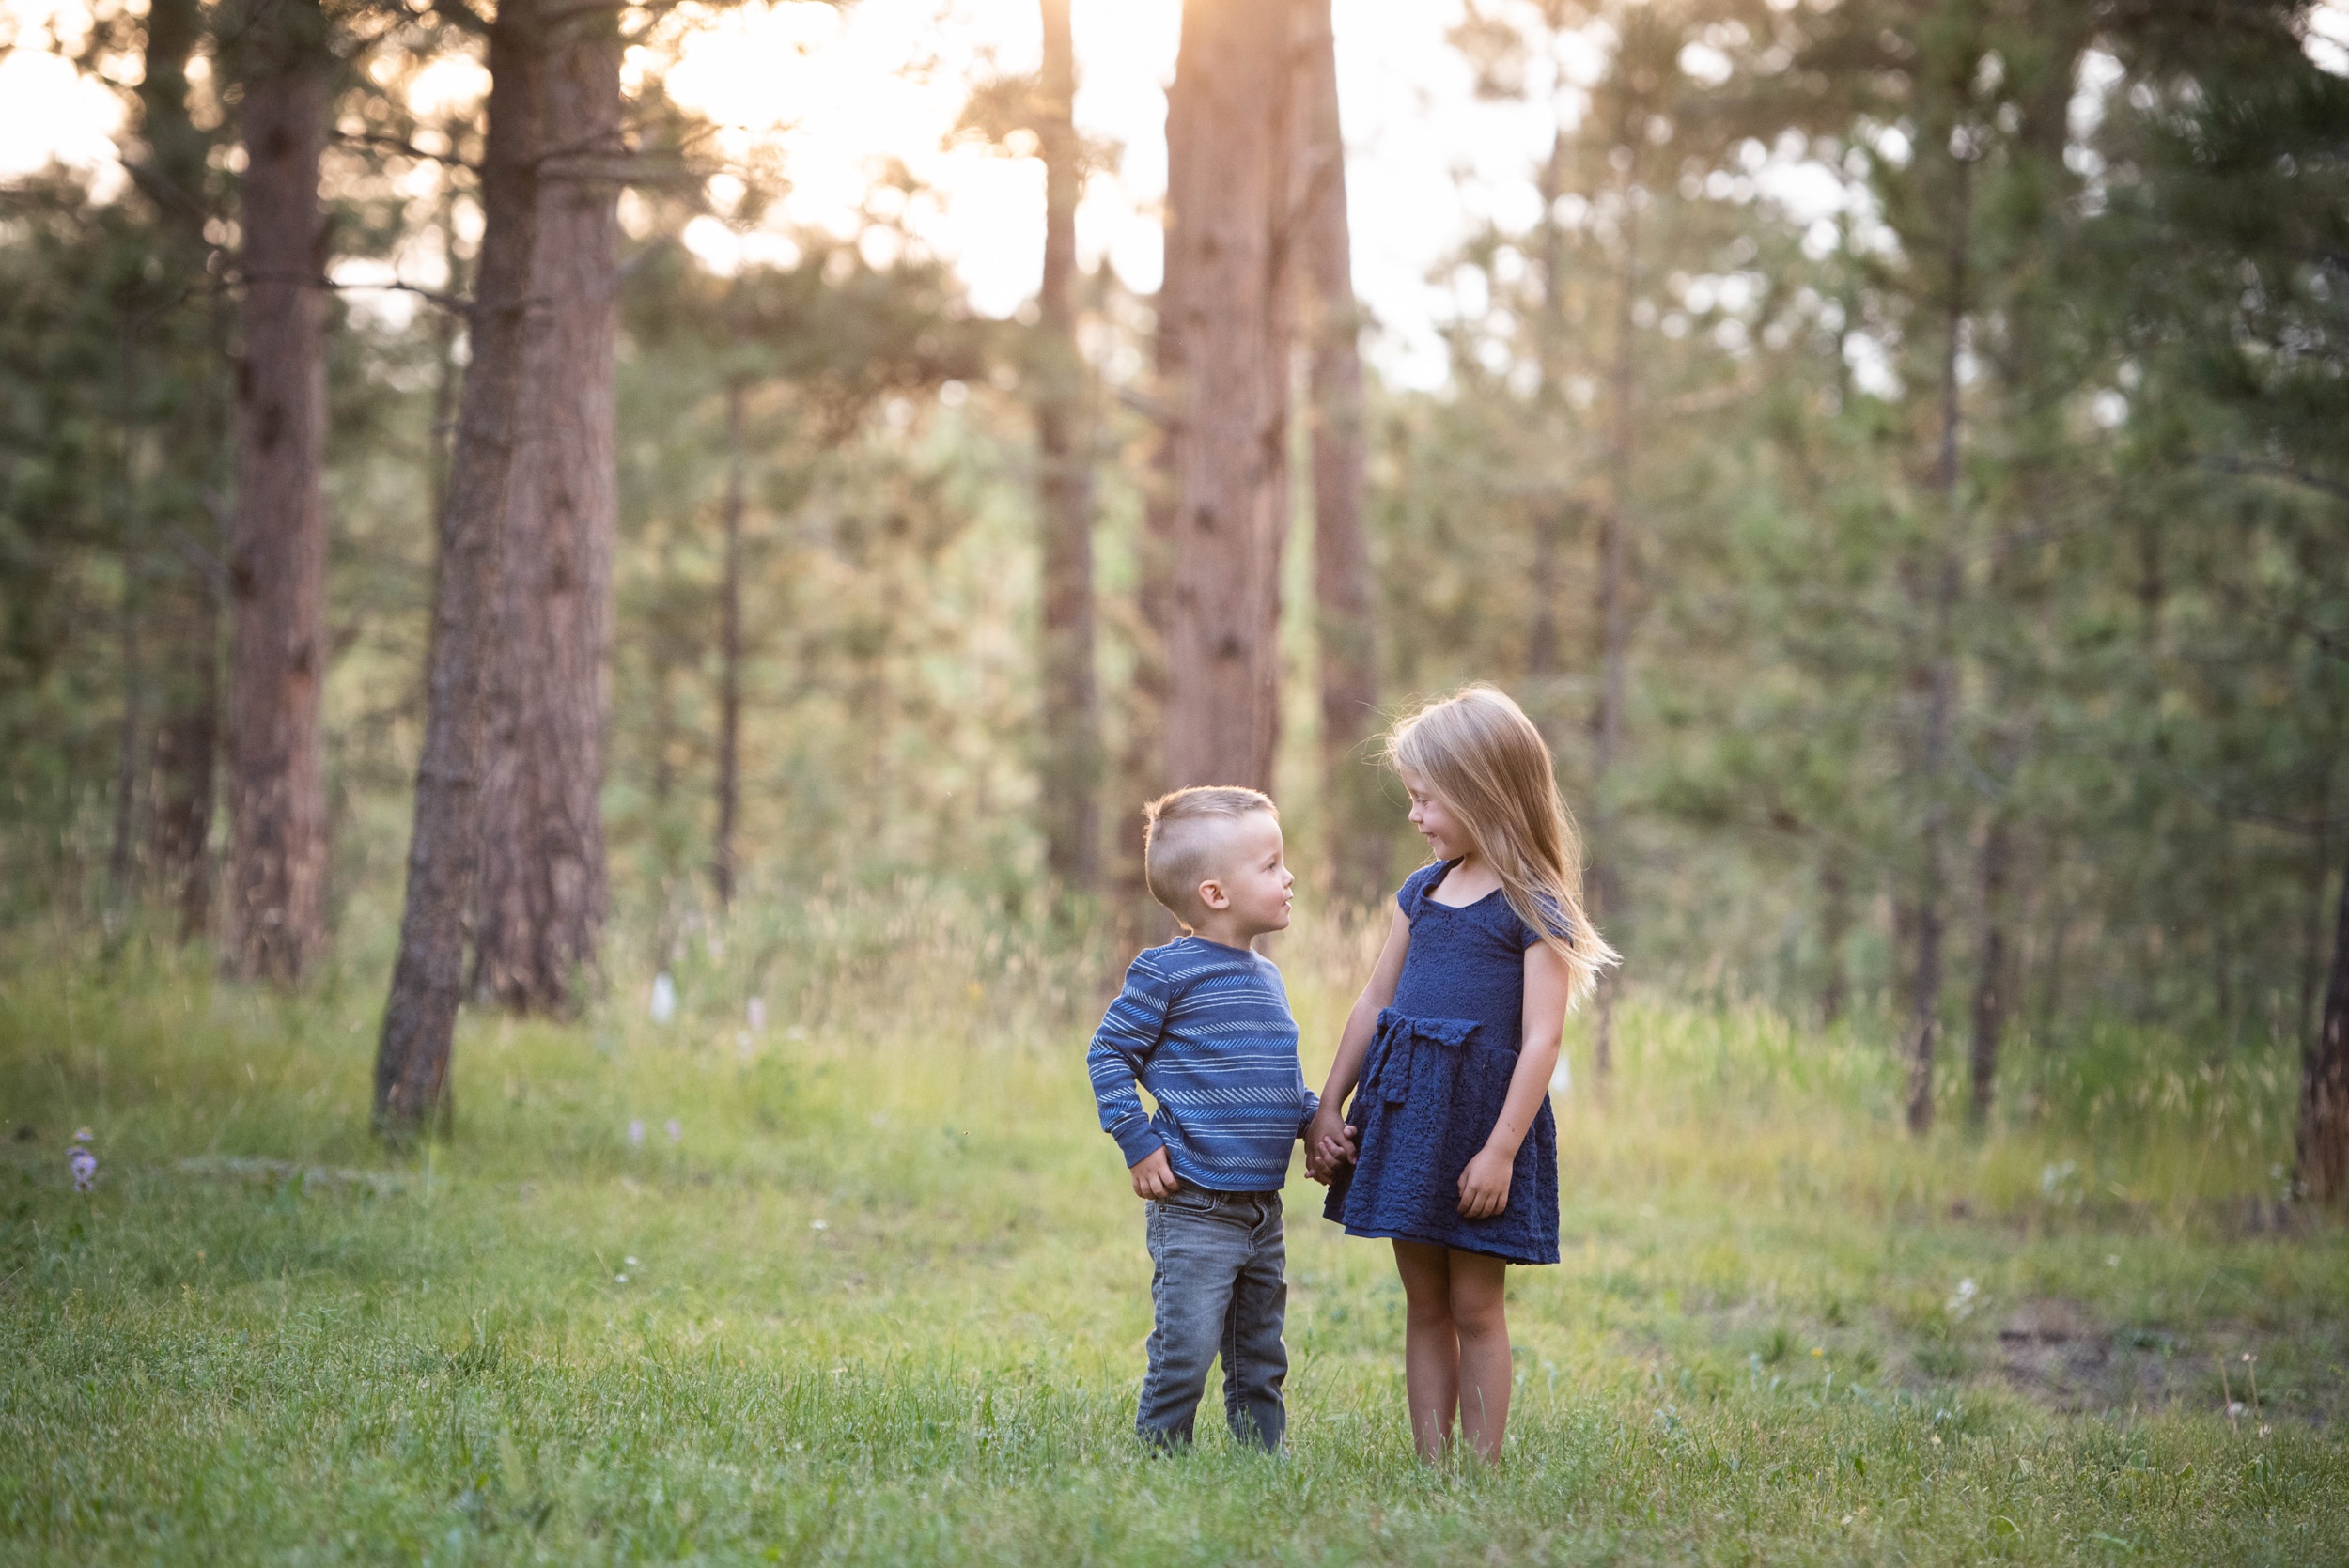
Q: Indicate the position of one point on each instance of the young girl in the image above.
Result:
(1448, 1148)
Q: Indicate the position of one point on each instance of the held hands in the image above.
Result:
(1154, 1177)
(1485, 1185)
(1328, 1143)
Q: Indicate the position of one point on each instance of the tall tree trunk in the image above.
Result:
(1545, 650)
(2305, 1017)
(1614, 623)
(2322, 1153)
(1991, 967)
(182, 343)
(1937, 678)
(130, 747)
(1345, 631)
(277, 854)
(542, 873)
(1072, 763)
(447, 375)
(730, 654)
(444, 848)
(1834, 930)
(1228, 243)
(186, 748)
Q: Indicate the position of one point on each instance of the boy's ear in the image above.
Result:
(1212, 896)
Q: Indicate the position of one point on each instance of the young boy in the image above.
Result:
(1204, 1024)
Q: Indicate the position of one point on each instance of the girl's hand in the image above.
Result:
(1329, 1143)
(1485, 1185)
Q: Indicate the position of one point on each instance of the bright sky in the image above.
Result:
(1411, 120)
(842, 91)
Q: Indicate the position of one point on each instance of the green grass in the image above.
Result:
(884, 1299)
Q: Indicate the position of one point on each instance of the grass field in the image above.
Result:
(881, 1297)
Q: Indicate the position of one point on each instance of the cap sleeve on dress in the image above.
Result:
(1553, 916)
(1413, 891)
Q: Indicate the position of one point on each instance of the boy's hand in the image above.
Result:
(1154, 1177)
(1485, 1185)
(1328, 1143)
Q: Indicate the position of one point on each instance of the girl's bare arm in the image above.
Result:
(1354, 1044)
(1548, 984)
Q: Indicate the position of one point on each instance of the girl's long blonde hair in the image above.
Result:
(1482, 756)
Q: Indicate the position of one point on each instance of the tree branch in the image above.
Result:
(455, 302)
(2255, 468)
(407, 149)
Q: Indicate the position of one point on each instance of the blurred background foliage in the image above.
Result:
(2104, 244)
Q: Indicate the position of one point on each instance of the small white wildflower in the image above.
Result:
(2235, 1407)
(819, 1224)
(757, 1014)
(619, 1279)
(2112, 1260)
(663, 998)
(636, 1133)
(1961, 1301)
(676, 1130)
(84, 1165)
(631, 1261)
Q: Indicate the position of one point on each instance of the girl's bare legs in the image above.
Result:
(1480, 1319)
(1455, 1347)
(1431, 1345)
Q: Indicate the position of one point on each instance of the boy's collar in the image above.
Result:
(1193, 935)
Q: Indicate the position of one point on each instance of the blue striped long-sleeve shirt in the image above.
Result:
(1206, 1028)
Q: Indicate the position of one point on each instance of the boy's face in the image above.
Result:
(1252, 886)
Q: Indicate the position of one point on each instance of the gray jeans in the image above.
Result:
(1217, 1287)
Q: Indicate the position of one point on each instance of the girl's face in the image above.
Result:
(1434, 821)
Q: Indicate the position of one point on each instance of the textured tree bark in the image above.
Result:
(1141, 755)
(542, 895)
(1834, 929)
(730, 654)
(1228, 228)
(277, 856)
(1553, 516)
(2323, 1153)
(184, 340)
(1936, 586)
(131, 650)
(185, 617)
(1991, 978)
(1070, 774)
(444, 848)
(1357, 843)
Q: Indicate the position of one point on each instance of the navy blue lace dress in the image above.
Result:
(1434, 1083)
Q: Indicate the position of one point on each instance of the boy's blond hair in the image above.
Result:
(1178, 839)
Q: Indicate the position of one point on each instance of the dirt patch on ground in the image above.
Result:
(2055, 1352)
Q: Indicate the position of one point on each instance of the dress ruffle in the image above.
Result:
(1430, 1093)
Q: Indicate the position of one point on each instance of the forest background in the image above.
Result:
(491, 593)
(1932, 592)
